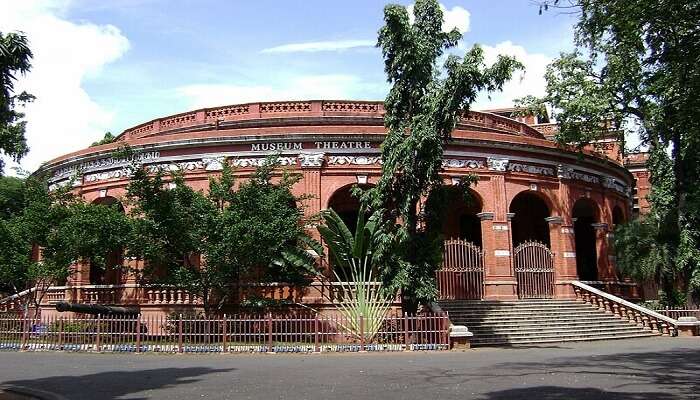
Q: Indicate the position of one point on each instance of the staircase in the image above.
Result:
(524, 322)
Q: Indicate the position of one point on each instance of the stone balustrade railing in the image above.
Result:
(625, 309)
(212, 117)
(168, 296)
(55, 294)
(150, 295)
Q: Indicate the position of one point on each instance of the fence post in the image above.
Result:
(269, 332)
(179, 334)
(97, 333)
(317, 348)
(24, 332)
(225, 333)
(138, 333)
(405, 332)
(60, 333)
(362, 333)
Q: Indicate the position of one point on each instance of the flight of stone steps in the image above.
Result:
(526, 322)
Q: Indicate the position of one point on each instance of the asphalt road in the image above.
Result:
(654, 368)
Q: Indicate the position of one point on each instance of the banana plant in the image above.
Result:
(357, 254)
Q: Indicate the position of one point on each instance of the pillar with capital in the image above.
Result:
(605, 269)
(499, 280)
(561, 237)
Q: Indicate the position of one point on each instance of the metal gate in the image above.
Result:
(461, 276)
(534, 270)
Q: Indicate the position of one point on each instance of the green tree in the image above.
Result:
(108, 138)
(636, 72)
(11, 196)
(209, 243)
(28, 229)
(422, 108)
(15, 57)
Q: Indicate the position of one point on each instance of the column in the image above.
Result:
(561, 237)
(499, 280)
(605, 270)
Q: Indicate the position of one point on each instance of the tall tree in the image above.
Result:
(209, 243)
(15, 57)
(422, 108)
(636, 71)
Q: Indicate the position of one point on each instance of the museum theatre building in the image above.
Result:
(542, 216)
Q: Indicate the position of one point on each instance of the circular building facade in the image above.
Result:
(542, 215)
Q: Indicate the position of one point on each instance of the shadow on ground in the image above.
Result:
(117, 384)
(564, 393)
(620, 376)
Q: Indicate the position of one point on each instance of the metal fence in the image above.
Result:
(236, 333)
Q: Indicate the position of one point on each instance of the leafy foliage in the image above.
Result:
(208, 243)
(15, 57)
(67, 230)
(356, 254)
(108, 138)
(422, 109)
(636, 72)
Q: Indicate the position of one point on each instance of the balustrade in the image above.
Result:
(169, 296)
(624, 309)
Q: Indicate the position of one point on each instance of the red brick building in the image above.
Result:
(542, 212)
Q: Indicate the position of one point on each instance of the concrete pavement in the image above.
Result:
(654, 368)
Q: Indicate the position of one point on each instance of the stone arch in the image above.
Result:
(460, 215)
(530, 210)
(585, 214)
(618, 216)
(110, 276)
(346, 205)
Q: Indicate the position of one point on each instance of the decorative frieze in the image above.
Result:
(259, 161)
(104, 163)
(457, 163)
(530, 169)
(103, 176)
(497, 164)
(213, 163)
(354, 160)
(311, 160)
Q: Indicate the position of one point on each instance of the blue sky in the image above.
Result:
(107, 65)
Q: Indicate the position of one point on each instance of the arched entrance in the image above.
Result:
(461, 275)
(618, 216)
(529, 222)
(533, 261)
(585, 214)
(347, 207)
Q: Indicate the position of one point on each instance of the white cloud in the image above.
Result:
(313, 47)
(456, 17)
(317, 87)
(63, 118)
(528, 82)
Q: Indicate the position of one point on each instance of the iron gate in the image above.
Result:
(534, 270)
(461, 276)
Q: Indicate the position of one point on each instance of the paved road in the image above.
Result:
(654, 368)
